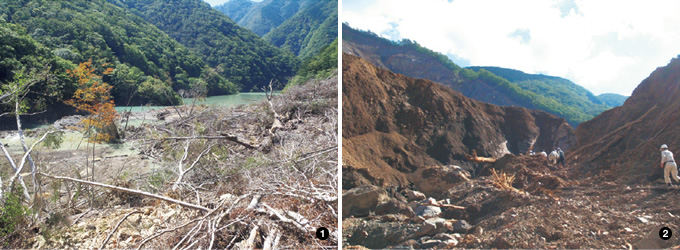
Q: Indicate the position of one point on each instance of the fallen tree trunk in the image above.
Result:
(132, 191)
(478, 159)
(213, 137)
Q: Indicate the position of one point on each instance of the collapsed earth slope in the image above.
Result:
(626, 139)
(394, 125)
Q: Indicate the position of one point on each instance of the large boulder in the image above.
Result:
(434, 181)
(359, 201)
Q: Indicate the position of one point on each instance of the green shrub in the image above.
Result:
(13, 213)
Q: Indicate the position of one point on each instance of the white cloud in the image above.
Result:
(214, 3)
(605, 46)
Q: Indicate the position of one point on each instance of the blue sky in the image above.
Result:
(605, 46)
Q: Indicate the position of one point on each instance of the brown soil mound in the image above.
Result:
(394, 124)
(625, 140)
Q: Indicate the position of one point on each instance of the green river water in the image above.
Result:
(73, 139)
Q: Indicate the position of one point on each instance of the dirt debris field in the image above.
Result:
(545, 211)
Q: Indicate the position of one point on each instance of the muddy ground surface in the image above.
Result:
(548, 212)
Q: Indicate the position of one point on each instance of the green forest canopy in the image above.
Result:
(236, 53)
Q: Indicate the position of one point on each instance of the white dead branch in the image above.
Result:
(132, 191)
(277, 119)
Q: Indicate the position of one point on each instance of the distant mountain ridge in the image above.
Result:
(612, 100)
(565, 89)
(303, 27)
(261, 17)
(560, 89)
(409, 58)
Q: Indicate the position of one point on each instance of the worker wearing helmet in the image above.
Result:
(668, 165)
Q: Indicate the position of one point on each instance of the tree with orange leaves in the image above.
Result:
(94, 96)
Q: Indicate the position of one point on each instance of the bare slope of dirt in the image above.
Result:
(625, 140)
(394, 125)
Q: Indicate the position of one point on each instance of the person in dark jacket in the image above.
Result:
(561, 155)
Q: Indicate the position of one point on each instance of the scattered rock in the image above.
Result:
(394, 207)
(412, 195)
(642, 219)
(448, 225)
(444, 237)
(450, 243)
(359, 201)
(429, 244)
(500, 243)
(439, 223)
(627, 230)
(427, 228)
(389, 217)
(408, 244)
(418, 219)
(427, 211)
(461, 227)
(436, 180)
(478, 231)
(573, 245)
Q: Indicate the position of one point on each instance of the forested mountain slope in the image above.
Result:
(560, 89)
(237, 53)
(261, 17)
(21, 55)
(148, 64)
(315, 26)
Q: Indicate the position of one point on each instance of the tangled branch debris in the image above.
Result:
(257, 176)
(503, 181)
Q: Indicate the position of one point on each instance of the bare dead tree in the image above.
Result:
(18, 89)
(180, 166)
(14, 167)
(277, 119)
(23, 159)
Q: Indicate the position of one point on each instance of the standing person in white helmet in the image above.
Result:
(668, 165)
